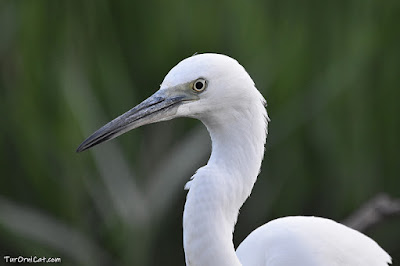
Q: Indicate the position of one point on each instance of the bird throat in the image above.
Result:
(219, 189)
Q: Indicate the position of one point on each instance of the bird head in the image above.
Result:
(204, 86)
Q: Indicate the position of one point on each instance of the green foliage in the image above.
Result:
(330, 73)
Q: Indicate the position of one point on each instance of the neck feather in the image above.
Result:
(219, 189)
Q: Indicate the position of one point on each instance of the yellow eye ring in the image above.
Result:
(199, 85)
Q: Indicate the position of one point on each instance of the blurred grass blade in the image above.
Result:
(168, 179)
(111, 164)
(41, 228)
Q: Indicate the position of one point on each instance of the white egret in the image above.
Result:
(217, 90)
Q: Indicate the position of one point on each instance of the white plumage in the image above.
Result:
(218, 91)
(299, 240)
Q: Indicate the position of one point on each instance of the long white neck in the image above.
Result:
(219, 189)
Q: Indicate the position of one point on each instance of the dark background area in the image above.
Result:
(328, 69)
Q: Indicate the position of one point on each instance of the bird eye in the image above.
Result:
(199, 85)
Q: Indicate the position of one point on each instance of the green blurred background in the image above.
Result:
(330, 71)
